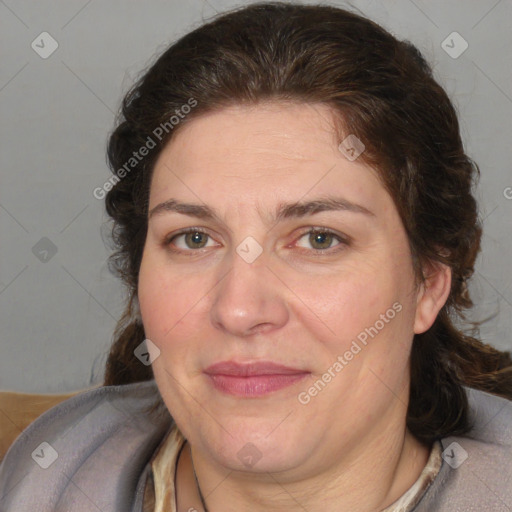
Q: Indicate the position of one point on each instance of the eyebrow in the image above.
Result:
(284, 211)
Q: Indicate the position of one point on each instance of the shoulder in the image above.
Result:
(476, 471)
(88, 447)
(491, 418)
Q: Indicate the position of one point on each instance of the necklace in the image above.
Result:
(198, 488)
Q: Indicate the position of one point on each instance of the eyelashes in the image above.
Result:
(190, 234)
(320, 235)
(194, 240)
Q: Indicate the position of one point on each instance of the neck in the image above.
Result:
(368, 479)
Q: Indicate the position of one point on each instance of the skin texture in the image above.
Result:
(348, 447)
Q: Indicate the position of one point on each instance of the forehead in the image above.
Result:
(267, 127)
(270, 151)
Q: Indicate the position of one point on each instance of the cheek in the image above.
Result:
(175, 310)
(349, 300)
(367, 310)
(164, 299)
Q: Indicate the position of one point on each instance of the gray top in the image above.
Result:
(92, 453)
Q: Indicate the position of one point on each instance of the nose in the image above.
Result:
(249, 300)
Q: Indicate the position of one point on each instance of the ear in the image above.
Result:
(432, 295)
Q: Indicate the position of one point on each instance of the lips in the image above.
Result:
(252, 379)
(251, 369)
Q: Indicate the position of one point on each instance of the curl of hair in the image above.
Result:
(380, 89)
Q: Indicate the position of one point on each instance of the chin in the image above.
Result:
(256, 450)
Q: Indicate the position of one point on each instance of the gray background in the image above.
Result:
(58, 310)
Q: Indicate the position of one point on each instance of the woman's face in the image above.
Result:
(297, 258)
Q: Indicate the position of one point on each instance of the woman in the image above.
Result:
(294, 222)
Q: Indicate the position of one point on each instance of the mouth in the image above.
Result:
(252, 379)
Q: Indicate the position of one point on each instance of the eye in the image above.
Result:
(320, 239)
(190, 239)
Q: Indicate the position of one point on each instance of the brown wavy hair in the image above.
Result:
(383, 91)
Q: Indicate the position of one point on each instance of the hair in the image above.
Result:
(382, 90)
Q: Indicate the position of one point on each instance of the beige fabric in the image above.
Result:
(160, 492)
(163, 472)
(410, 499)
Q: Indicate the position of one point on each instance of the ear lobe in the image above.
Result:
(432, 296)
